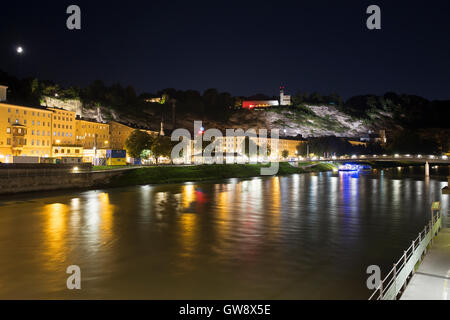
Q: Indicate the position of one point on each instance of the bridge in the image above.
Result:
(426, 160)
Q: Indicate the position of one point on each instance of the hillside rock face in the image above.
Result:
(308, 121)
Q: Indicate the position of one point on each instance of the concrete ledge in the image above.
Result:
(13, 181)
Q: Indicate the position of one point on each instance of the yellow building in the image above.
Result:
(119, 134)
(357, 143)
(24, 131)
(234, 144)
(90, 134)
(63, 127)
(289, 145)
(67, 151)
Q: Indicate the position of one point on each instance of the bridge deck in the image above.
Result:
(432, 279)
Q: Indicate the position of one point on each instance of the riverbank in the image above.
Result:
(159, 175)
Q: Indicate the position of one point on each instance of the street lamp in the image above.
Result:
(19, 50)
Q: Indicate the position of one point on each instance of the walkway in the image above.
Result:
(432, 280)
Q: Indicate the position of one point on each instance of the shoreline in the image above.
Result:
(201, 173)
(159, 175)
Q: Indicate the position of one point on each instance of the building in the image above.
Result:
(119, 133)
(285, 100)
(63, 126)
(372, 137)
(234, 145)
(251, 104)
(91, 134)
(24, 131)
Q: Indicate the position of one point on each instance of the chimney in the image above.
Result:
(3, 91)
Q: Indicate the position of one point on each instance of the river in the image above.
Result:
(305, 236)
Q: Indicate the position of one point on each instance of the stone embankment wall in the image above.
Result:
(17, 178)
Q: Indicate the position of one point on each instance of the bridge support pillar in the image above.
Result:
(427, 169)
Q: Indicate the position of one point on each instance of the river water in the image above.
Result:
(307, 236)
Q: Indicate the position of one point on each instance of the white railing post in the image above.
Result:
(404, 266)
(395, 281)
(381, 290)
(413, 249)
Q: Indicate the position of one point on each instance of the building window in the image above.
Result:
(8, 130)
(8, 141)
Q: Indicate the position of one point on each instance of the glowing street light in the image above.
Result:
(19, 50)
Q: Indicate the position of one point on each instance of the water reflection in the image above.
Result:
(55, 234)
(267, 237)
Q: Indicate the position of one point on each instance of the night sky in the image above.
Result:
(241, 47)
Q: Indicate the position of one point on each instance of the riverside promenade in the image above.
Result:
(432, 280)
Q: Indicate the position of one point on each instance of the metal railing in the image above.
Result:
(396, 280)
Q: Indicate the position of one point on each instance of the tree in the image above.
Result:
(302, 149)
(285, 154)
(137, 142)
(409, 141)
(162, 146)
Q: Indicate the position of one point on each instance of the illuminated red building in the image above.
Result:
(251, 104)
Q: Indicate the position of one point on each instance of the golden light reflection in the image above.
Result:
(222, 210)
(107, 215)
(188, 195)
(55, 233)
(188, 225)
(275, 212)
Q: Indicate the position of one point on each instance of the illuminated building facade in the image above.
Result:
(91, 134)
(24, 131)
(63, 126)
